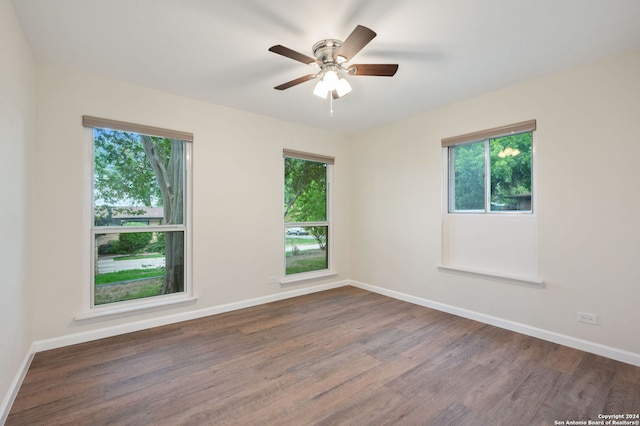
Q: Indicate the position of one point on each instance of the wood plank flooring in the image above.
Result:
(344, 356)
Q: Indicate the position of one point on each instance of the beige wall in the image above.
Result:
(237, 195)
(587, 153)
(17, 78)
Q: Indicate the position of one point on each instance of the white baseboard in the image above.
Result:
(573, 342)
(72, 339)
(7, 402)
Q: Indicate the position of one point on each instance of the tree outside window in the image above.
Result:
(492, 175)
(139, 216)
(305, 215)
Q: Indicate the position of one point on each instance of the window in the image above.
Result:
(307, 229)
(491, 173)
(140, 217)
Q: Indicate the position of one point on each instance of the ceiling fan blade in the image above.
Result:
(358, 39)
(292, 54)
(381, 70)
(295, 82)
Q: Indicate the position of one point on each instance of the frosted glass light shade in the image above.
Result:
(343, 87)
(321, 90)
(330, 80)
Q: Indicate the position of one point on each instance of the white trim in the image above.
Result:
(87, 336)
(305, 224)
(562, 339)
(87, 222)
(124, 126)
(119, 308)
(145, 228)
(303, 155)
(89, 309)
(307, 276)
(533, 282)
(10, 397)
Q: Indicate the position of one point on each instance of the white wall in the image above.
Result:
(17, 80)
(587, 154)
(237, 193)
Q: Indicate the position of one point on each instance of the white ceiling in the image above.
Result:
(216, 50)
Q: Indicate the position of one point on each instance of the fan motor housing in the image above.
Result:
(324, 51)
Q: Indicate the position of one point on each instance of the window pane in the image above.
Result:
(306, 249)
(106, 215)
(138, 179)
(469, 183)
(511, 172)
(305, 191)
(136, 265)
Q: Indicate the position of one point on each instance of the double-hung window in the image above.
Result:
(307, 227)
(140, 228)
(491, 171)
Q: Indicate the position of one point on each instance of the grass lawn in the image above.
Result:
(306, 261)
(298, 241)
(128, 275)
(128, 291)
(139, 256)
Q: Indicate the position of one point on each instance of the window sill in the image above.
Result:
(509, 279)
(299, 278)
(110, 311)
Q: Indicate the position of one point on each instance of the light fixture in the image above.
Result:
(508, 152)
(331, 56)
(330, 81)
(343, 87)
(321, 90)
(330, 77)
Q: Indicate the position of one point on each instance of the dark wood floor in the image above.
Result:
(344, 356)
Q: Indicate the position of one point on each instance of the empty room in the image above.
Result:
(356, 212)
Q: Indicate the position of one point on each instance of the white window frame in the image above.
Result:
(89, 309)
(486, 136)
(321, 273)
(496, 245)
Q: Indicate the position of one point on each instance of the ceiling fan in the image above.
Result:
(331, 56)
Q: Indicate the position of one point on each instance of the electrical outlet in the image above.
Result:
(273, 280)
(587, 318)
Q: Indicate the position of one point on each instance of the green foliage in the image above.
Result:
(122, 169)
(305, 195)
(112, 247)
(320, 234)
(127, 291)
(138, 256)
(298, 241)
(131, 170)
(510, 175)
(469, 176)
(158, 246)
(134, 242)
(128, 275)
(306, 261)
